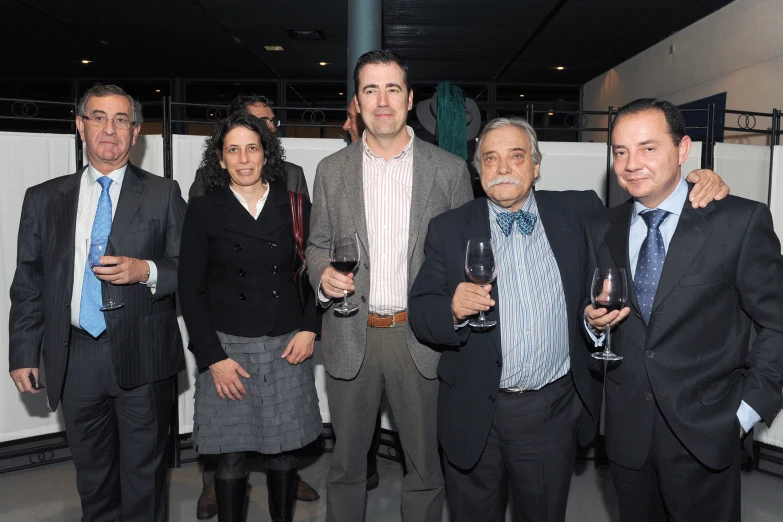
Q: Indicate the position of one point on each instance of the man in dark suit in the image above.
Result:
(513, 400)
(111, 371)
(260, 107)
(687, 387)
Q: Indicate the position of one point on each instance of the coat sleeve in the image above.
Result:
(320, 232)
(167, 266)
(193, 282)
(312, 312)
(759, 284)
(26, 320)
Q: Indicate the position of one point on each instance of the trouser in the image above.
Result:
(532, 445)
(117, 437)
(354, 402)
(673, 486)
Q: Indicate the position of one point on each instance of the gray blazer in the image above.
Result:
(440, 182)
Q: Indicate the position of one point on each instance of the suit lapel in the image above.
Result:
(617, 242)
(353, 180)
(477, 225)
(689, 238)
(423, 179)
(131, 196)
(63, 214)
(559, 232)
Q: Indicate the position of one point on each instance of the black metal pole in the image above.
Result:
(608, 153)
(772, 140)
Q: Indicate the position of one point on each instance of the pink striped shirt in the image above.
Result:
(387, 207)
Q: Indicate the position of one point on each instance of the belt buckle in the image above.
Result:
(394, 320)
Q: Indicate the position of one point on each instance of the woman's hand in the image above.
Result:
(226, 374)
(299, 348)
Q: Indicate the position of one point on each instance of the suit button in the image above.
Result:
(272, 245)
(65, 344)
(497, 363)
(242, 296)
(242, 272)
(491, 398)
(238, 247)
(649, 354)
(364, 300)
(67, 305)
(648, 396)
(274, 293)
(274, 269)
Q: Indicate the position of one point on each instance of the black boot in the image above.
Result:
(231, 495)
(281, 483)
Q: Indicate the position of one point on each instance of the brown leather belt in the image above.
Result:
(386, 321)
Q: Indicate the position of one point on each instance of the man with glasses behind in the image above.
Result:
(112, 371)
(260, 107)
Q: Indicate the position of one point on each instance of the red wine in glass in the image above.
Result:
(344, 256)
(609, 290)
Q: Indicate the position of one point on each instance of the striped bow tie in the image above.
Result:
(525, 222)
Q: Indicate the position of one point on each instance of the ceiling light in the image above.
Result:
(340, 93)
(157, 90)
(85, 61)
(550, 113)
(560, 68)
(521, 95)
(273, 47)
(321, 63)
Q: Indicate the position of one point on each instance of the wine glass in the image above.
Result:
(97, 247)
(482, 270)
(609, 290)
(344, 256)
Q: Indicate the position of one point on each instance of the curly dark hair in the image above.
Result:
(214, 176)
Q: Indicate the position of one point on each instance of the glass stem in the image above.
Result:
(345, 299)
(608, 340)
(482, 318)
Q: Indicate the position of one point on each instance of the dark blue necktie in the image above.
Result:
(652, 254)
(525, 222)
(90, 316)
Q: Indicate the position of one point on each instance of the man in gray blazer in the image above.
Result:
(385, 189)
(111, 370)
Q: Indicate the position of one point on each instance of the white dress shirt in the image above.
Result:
(259, 203)
(89, 193)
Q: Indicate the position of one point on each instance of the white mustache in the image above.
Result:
(504, 179)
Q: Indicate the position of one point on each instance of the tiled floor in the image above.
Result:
(49, 494)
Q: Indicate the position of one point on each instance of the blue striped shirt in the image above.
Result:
(532, 307)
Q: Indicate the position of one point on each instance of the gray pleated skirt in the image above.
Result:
(279, 413)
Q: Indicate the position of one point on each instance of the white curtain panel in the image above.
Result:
(148, 153)
(617, 195)
(745, 168)
(573, 166)
(26, 159)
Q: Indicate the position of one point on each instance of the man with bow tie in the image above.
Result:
(513, 400)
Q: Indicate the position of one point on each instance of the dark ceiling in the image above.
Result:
(517, 41)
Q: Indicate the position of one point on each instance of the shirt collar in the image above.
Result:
(242, 199)
(116, 175)
(404, 152)
(529, 205)
(673, 204)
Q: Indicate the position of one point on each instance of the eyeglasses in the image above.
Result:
(100, 121)
(274, 122)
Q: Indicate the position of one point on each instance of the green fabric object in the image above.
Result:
(451, 129)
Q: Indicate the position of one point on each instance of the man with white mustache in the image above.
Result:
(515, 399)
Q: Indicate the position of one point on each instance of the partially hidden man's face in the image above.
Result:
(646, 160)
(107, 145)
(507, 169)
(383, 99)
(261, 110)
(351, 125)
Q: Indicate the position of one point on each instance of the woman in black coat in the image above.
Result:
(245, 317)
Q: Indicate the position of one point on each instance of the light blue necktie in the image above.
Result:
(90, 316)
(652, 254)
(525, 222)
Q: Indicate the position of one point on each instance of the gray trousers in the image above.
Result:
(353, 405)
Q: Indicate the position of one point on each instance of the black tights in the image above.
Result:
(232, 465)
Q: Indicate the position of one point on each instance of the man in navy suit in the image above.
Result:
(699, 280)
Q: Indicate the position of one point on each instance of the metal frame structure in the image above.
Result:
(38, 451)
